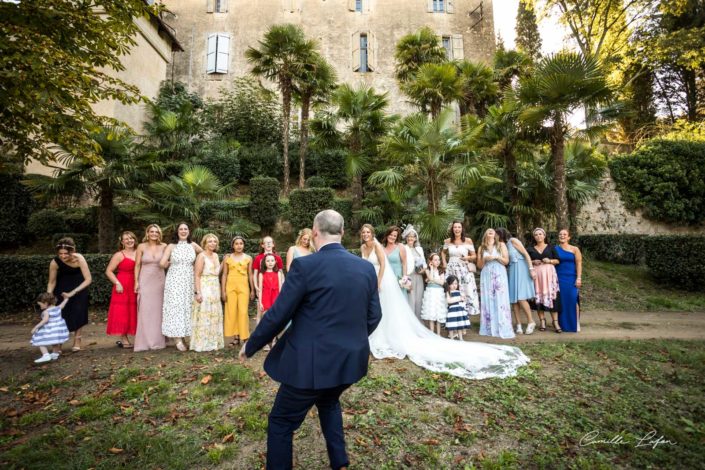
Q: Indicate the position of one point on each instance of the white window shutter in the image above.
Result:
(223, 55)
(458, 52)
(366, 5)
(429, 6)
(355, 47)
(212, 52)
(371, 51)
(210, 6)
(223, 6)
(351, 5)
(450, 8)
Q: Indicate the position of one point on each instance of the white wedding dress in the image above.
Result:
(400, 334)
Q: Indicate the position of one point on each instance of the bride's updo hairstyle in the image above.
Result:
(367, 226)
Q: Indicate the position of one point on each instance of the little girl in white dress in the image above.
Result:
(433, 308)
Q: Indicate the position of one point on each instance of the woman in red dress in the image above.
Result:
(122, 314)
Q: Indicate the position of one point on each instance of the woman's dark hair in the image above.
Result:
(450, 280)
(263, 263)
(175, 236)
(462, 231)
(46, 298)
(67, 244)
(503, 234)
(235, 238)
(391, 229)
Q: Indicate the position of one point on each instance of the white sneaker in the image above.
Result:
(530, 328)
(54, 356)
(44, 358)
(519, 330)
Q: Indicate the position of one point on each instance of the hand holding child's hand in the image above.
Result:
(67, 295)
(34, 330)
(118, 288)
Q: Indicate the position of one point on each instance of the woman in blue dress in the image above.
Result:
(495, 312)
(521, 280)
(396, 253)
(569, 281)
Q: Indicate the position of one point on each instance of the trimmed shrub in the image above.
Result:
(329, 164)
(306, 203)
(82, 240)
(15, 207)
(24, 277)
(677, 260)
(622, 249)
(264, 201)
(82, 219)
(666, 179)
(46, 222)
(221, 157)
(344, 207)
(316, 182)
(260, 160)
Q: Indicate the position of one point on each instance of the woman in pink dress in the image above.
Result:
(150, 290)
(122, 314)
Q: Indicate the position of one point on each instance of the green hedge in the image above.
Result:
(666, 179)
(622, 249)
(221, 157)
(264, 202)
(316, 182)
(678, 261)
(46, 222)
(260, 160)
(15, 206)
(344, 207)
(304, 204)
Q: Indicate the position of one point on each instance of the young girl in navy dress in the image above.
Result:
(457, 321)
(433, 307)
(269, 284)
(51, 330)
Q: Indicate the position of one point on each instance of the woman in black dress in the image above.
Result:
(70, 277)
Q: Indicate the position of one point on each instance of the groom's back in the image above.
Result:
(327, 342)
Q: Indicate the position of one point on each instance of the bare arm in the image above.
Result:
(42, 322)
(197, 271)
(259, 289)
(138, 266)
(578, 267)
(251, 279)
(63, 303)
(382, 262)
(87, 278)
(402, 255)
(503, 254)
(480, 259)
(289, 257)
(53, 269)
(110, 271)
(472, 256)
(520, 248)
(281, 280)
(197, 248)
(164, 262)
(224, 279)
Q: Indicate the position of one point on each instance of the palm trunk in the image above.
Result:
(573, 214)
(286, 105)
(510, 169)
(105, 219)
(559, 178)
(303, 144)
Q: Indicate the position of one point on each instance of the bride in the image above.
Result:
(400, 334)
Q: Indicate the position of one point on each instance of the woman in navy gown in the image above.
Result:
(569, 280)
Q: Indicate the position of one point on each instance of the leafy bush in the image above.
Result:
(15, 207)
(622, 248)
(264, 201)
(82, 219)
(666, 179)
(329, 165)
(208, 209)
(221, 157)
(24, 277)
(260, 160)
(306, 203)
(678, 261)
(344, 207)
(316, 182)
(82, 240)
(46, 222)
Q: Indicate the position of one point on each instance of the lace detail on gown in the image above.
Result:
(400, 334)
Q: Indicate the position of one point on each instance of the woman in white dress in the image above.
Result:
(400, 334)
(458, 258)
(415, 266)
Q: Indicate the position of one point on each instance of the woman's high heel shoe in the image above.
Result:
(558, 329)
(542, 326)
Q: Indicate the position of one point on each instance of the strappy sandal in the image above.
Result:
(542, 326)
(558, 330)
(76, 348)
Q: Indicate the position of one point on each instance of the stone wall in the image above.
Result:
(332, 24)
(607, 214)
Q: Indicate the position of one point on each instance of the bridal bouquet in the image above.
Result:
(405, 283)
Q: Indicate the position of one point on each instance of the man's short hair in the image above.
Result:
(329, 222)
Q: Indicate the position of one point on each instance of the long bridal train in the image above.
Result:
(400, 334)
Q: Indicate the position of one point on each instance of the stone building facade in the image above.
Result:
(358, 37)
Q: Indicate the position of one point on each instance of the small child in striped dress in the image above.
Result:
(51, 330)
(457, 321)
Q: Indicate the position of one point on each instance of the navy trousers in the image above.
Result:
(290, 408)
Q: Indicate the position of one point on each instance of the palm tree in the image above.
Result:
(119, 168)
(172, 133)
(585, 167)
(415, 50)
(509, 65)
(356, 122)
(479, 89)
(561, 84)
(312, 88)
(433, 156)
(434, 86)
(284, 55)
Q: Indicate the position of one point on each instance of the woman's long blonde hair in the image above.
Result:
(302, 233)
(146, 233)
(483, 244)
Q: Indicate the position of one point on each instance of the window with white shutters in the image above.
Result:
(440, 6)
(218, 53)
(364, 51)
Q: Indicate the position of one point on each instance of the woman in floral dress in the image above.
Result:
(496, 316)
(457, 258)
(207, 315)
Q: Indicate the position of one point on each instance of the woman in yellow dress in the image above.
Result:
(237, 291)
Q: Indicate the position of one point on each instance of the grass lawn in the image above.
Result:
(609, 286)
(168, 410)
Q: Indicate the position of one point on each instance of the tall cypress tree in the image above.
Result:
(528, 38)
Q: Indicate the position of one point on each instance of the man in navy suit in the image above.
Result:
(332, 301)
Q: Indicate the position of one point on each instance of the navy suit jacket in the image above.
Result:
(332, 301)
